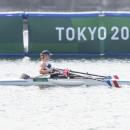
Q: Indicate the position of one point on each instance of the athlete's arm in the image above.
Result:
(43, 69)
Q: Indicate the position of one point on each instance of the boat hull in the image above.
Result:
(62, 82)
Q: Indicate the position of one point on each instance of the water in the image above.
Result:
(60, 108)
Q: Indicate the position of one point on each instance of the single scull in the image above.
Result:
(77, 81)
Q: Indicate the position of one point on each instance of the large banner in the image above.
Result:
(90, 33)
(11, 34)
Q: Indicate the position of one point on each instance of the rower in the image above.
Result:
(45, 67)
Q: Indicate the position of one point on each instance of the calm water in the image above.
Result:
(59, 108)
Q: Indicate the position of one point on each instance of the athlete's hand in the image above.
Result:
(66, 72)
(52, 70)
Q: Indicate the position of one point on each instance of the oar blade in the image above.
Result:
(115, 76)
(116, 84)
(113, 83)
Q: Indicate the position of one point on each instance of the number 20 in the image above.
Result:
(124, 33)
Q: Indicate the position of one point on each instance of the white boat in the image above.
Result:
(44, 81)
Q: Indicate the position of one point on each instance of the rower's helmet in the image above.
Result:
(45, 52)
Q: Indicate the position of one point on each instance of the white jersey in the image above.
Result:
(47, 65)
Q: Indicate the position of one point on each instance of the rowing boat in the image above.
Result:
(46, 81)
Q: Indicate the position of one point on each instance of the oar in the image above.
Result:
(108, 81)
(102, 76)
(90, 74)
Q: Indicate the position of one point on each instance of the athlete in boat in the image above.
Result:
(46, 68)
